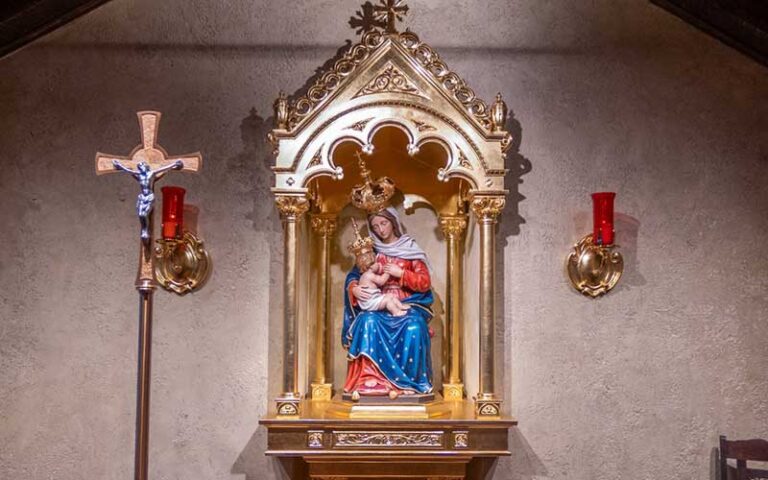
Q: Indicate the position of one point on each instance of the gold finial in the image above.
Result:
(281, 111)
(372, 195)
(390, 11)
(364, 172)
(498, 114)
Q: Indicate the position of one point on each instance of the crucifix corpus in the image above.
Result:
(147, 163)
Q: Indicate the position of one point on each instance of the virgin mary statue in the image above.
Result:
(389, 354)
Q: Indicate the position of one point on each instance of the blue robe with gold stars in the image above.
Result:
(398, 346)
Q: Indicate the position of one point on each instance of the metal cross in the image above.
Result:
(390, 11)
(147, 163)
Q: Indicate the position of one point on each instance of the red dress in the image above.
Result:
(363, 375)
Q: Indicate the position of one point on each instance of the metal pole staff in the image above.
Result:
(147, 163)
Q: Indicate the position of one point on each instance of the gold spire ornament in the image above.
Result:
(371, 196)
(389, 12)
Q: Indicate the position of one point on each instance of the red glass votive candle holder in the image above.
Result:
(173, 212)
(603, 218)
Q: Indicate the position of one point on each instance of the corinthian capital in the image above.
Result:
(324, 224)
(452, 225)
(291, 205)
(487, 207)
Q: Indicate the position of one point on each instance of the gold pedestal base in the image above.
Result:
(322, 392)
(453, 392)
(288, 405)
(321, 446)
(389, 411)
(487, 406)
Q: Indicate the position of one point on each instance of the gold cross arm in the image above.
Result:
(148, 152)
(390, 11)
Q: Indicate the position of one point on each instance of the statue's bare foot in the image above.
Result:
(392, 394)
(355, 396)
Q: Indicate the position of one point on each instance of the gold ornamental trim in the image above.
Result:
(317, 159)
(453, 225)
(331, 80)
(451, 83)
(390, 103)
(324, 224)
(453, 392)
(463, 161)
(390, 80)
(460, 439)
(315, 439)
(388, 439)
(288, 408)
(487, 207)
(488, 408)
(292, 205)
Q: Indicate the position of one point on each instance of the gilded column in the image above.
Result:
(487, 210)
(292, 209)
(453, 227)
(324, 227)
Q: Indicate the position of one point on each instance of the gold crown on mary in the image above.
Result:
(372, 195)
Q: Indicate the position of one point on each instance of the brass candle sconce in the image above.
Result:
(595, 265)
(182, 264)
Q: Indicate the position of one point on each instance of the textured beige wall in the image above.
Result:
(608, 94)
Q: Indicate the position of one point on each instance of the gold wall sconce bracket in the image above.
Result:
(594, 269)
(182, 265)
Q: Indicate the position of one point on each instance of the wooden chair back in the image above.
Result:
(755, 450)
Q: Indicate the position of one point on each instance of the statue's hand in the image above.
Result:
(393, 270)
(361, 293)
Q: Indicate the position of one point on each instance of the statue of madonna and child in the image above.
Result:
(386, 312)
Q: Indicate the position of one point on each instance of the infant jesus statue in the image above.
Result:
(370, 280)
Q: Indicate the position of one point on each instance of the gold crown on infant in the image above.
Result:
(362, 249)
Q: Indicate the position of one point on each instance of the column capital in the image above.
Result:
(324, 224)
(453, 225)
(292, 205)
(487, 207)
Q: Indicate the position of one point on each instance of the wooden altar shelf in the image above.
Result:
(456, 447)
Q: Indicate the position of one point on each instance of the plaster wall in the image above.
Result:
(608, 95)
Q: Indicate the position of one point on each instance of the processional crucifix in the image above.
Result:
(147, 163)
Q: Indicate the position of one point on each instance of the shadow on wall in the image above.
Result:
(251, 462)
(252, 169)
(509, 225)
(627, 231)
(523, 464)
(253, 178)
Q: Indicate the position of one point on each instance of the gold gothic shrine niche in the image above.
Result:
(389, 178)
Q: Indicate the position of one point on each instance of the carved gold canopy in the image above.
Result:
(390, 80)
(389, 110)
